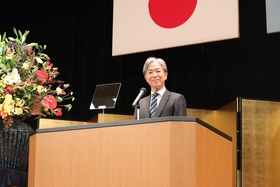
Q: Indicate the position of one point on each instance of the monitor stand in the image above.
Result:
(103, 112)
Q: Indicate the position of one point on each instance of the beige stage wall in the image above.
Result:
(260, 143)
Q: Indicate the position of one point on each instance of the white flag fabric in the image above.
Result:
(144, 25)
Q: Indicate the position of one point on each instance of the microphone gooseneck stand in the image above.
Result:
(137, 111)
(136, 101)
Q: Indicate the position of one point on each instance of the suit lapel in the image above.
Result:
(162, 102)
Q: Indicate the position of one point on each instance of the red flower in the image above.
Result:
(10, 89)
(42, 75)
(50, 65)
(49, 101)
(58, 111)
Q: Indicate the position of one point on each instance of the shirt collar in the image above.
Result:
(160, 92)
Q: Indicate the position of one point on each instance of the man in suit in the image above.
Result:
(167, 103)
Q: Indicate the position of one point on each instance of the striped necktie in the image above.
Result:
(153, 107)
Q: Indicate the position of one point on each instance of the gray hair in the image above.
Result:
(154, 59)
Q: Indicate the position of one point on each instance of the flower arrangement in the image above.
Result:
(28, 85)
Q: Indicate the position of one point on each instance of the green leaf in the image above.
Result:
(45, 56)
(20, 34)
(59, 99)
(12, 39)
(17, 40)
(66, 86)
(23, 38)
(4, 36)
(3, 67)
(15, 31)
(32, 44)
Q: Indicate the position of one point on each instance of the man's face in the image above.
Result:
(155, 76)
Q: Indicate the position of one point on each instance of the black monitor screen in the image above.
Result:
(105, 96)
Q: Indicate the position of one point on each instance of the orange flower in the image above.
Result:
(3, 114)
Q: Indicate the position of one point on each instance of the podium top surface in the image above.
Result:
(134, 122)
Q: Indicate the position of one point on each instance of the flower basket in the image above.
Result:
(14, 145)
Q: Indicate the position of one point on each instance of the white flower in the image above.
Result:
(59, 91)
(12, 77)
(39, 60)
(25, 65)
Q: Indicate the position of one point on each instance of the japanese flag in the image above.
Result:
(143, 25)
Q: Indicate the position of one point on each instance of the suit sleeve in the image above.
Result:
(180, 106)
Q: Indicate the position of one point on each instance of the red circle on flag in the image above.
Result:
(171, 13)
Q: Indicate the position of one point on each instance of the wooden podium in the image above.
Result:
(159, 152)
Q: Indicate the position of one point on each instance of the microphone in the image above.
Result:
(139, 96)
